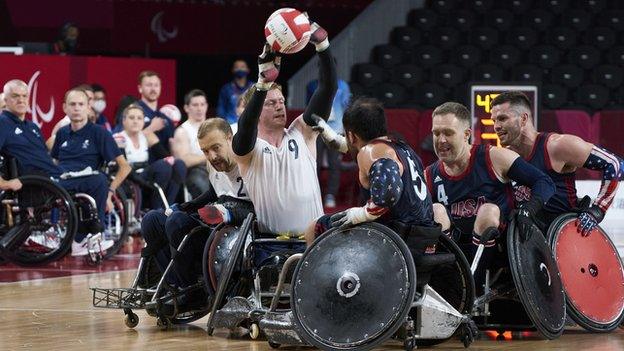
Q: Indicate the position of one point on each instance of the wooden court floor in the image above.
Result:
(56, 314)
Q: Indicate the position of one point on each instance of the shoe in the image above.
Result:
(43, 242)
(91, 242)
(330, 201)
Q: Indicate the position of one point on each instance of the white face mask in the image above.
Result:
(99, 105)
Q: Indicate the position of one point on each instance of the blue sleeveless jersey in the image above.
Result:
(464, 194)
(564, 199)
(414, 206)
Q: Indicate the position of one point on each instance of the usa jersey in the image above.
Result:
(414, 206)
(564, 199)
(464, 194)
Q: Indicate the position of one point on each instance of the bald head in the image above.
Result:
(16, 97)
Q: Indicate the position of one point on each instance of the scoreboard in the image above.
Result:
(480, 98)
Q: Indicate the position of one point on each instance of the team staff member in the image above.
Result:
(83, 144)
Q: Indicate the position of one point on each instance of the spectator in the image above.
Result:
(334, 158)
(99, 105)
(230, 92)
(149, 88)
(67, 41)
(186, 146)
(124, 102)
(146, 153)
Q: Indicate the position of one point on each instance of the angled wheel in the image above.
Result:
(591, 272)
(39, 222)
(454, 282)
(353, 288)
(116, 223)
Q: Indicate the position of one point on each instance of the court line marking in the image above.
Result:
(65, 276)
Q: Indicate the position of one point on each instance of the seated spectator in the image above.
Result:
(67, 40)
(124, 102)
(99, 105)
(231, 91)
(186, 146)
(148, 158)
(149, 88)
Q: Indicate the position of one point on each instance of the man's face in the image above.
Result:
(76, 106)
(17, 100)
(217, 148)
(450, 135)
(353, 144)
(150, 88)
(197, 108)
(134, 121)
(507, 124)
(240, 65)
(273, 110)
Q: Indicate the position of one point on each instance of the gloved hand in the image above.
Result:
(189, 206)
(332, 139)
(318, 37)
(268, 67)
(214, 214)
(350, 217)
(526, 214)
(588, 219)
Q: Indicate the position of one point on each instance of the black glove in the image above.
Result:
(588, 219)
(525, 217)
(189, 206)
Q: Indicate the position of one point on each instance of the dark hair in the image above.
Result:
(366, 118)
(460, 111)
(193, 93)
(514, 98)
(96, 87)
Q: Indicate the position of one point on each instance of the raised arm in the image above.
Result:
(245, 138)
(321, 101)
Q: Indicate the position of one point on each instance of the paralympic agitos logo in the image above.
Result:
(35, 110)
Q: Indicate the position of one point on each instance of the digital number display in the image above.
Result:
(480, 98)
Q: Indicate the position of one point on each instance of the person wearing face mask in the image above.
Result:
(99, 105)
(230, 92)
(68, 40)
(149, 159)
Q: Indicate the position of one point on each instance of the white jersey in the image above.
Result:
(227, 183)
(191, 131)
(283, 185)
(136, 154)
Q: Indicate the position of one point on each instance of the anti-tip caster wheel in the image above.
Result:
(254, 331)
(131, 320)
(409, 344)
(163, 323)
(274, 345)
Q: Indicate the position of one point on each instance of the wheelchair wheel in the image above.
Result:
(592, 274)
(39, 222)
(116, 223)
(454, 282)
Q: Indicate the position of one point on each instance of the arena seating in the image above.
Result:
(569, 47)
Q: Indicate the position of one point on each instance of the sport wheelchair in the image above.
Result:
(352, 289)
(40, 220)
(547, 279)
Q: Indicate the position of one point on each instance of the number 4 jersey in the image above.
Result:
(463, 195)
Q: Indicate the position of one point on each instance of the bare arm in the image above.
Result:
(181, 149)
(568, 152)
(122, 172)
